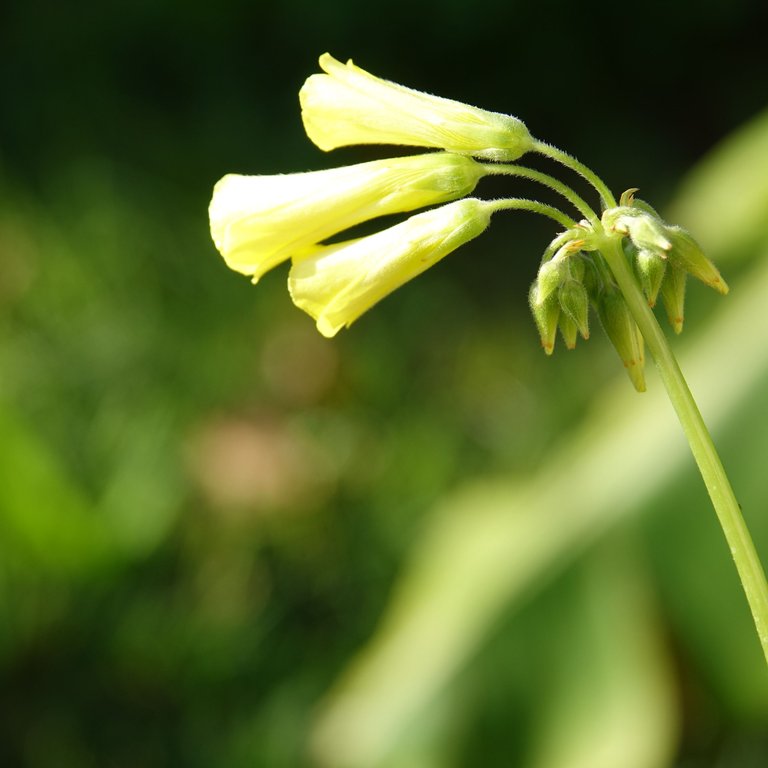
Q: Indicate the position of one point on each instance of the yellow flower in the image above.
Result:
(350, 106)
(337, 283)
(259, 221)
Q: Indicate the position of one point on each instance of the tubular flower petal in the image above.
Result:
(347, 105)
(259, 221)
(337, 283)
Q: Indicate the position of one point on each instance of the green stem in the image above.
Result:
(507, 169)
(521, 204)
(608, 200)
(723, 499)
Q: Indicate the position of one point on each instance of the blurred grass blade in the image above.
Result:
(724, 200)
(612, 703)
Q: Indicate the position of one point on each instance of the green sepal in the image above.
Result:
(673, 296)
(619, 325)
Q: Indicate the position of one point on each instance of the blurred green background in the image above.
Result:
(227, 541)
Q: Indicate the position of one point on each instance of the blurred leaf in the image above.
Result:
(724, 200)
(46, 520)
(142, 495)
(612, 703)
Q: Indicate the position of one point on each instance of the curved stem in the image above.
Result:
(608, 200)
(522, 204)
(507, 169)
(723, 499)
(557, 243)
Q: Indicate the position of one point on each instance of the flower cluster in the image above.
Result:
(258, 222)
(573, 276)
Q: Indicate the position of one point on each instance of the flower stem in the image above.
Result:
(507, 169)
(569, 161)
(718, 486)
(522, 204)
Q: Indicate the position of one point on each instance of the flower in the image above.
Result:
(350, 106)
(336, 283)
(259, 221)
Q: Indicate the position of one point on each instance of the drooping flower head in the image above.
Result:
(259, 221)
(347, 106)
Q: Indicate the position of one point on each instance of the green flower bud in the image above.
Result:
(687, 254)
(574, 302)
(546, 315)
(673, 296)
(650, 269)
(551, 274)
(624, 334)
(645, 230)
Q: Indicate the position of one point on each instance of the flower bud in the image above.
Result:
(551, 274)
(546, 315)
(687, 254)
(568, 330)
(673, 296)
(624, 334)
(575, 305)
(650, 269)
(645, 230)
